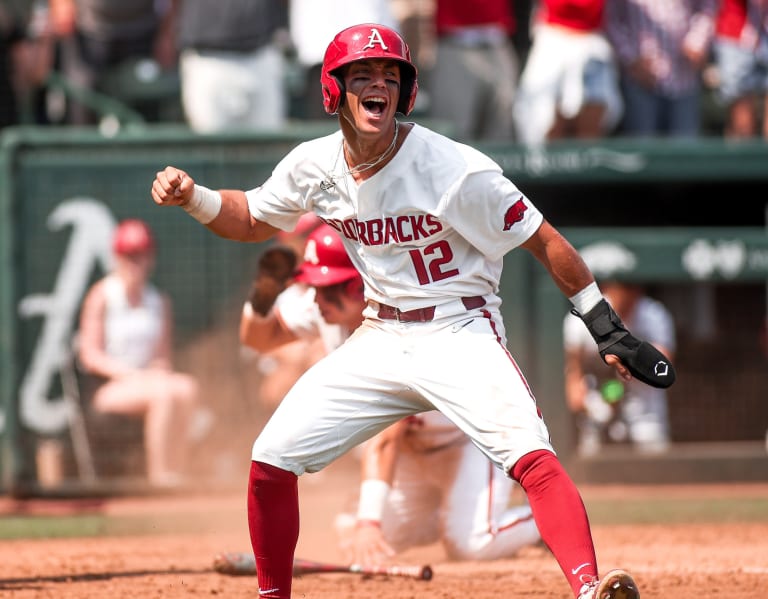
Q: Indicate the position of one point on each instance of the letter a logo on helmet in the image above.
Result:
(361, 42)
(326, 261)
(375, 38)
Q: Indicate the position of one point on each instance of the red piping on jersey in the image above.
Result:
(487, 314)
(491, 530)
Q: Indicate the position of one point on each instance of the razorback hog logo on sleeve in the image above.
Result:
(514, 214)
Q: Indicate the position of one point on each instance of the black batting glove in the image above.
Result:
(643, 360)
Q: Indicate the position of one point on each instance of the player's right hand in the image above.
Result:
(172, 187)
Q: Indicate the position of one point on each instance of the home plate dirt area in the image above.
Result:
(698, 541)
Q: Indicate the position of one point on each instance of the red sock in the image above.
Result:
(560, 515)
(273, 521)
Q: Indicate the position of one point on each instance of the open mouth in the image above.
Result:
(375, 106)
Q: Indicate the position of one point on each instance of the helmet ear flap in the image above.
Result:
(333, 93)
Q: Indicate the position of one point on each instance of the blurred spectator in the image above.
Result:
(762, 337)
(416, 19)
(11, 32)
(34, 59)
(662, 47)
(524, 11)
(569, 87)
(125, 341)
(99, 36)
(26, 51)
(313, 24)
(741, 56)
(473, 80)
(607, 409)
(232, 61)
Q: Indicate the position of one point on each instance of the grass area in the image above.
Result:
(643, 509)
(95, 525)
(37, 527)
(677, 510)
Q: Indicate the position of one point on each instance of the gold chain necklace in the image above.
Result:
(330, 181)
(361, 168)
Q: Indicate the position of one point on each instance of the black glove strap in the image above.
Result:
(643, 360)
(604, 325)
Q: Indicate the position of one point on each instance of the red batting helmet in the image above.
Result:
(361, 42)
(133, 236)
(325, 259)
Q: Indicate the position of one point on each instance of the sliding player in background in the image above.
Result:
(280, 365)
(422, 479)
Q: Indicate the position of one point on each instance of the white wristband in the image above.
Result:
(373, 498)
(587, 298)
(248, 310)
(205, 204)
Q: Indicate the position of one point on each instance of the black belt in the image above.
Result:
(424, 314)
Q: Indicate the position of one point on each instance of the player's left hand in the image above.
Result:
(368, 545)
(172, 187)
(621, 370)
(639, 358)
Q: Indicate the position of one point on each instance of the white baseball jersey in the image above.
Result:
(430, 228)
(295, 307)
(132, 333)
(432, 225)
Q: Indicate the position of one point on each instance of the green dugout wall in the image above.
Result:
(713, 281)
(61, 191)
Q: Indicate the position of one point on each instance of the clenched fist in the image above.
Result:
(172, 187)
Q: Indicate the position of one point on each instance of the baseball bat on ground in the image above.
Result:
(303, 566)
(244, 564)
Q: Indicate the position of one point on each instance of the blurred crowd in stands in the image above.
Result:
(527, 71)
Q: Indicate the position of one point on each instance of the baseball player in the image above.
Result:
(426, 221)
(422, 480)
(280, 365)
(325, 299)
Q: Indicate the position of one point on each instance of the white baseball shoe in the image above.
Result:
(616, 584)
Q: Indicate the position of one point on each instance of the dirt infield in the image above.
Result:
(164, 547)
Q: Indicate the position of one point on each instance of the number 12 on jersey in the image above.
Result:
(430, 262)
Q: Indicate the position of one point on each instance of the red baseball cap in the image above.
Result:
(133, 236)
(325, 259)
